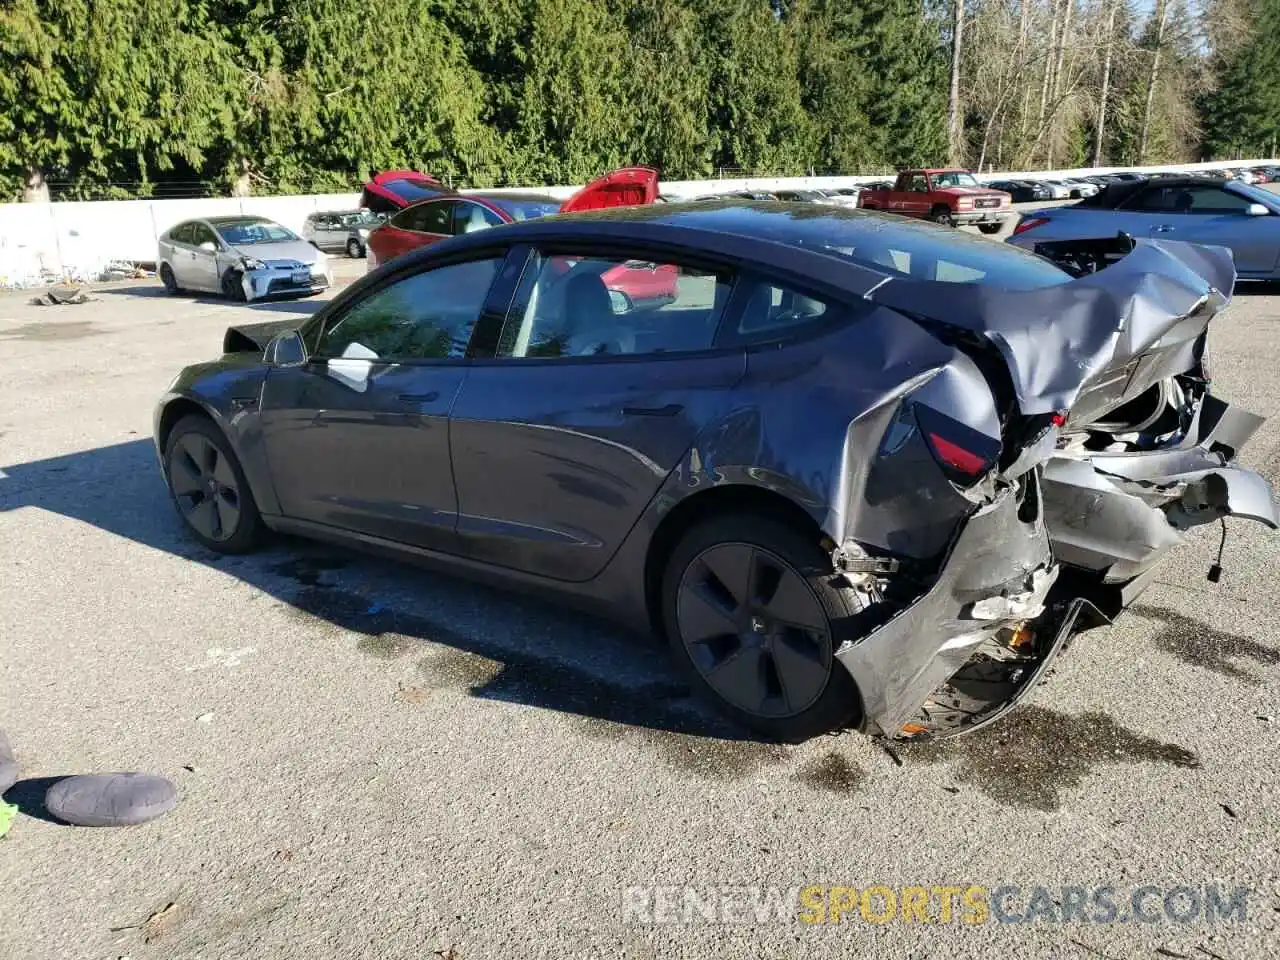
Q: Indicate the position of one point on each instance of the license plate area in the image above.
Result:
(301, 276)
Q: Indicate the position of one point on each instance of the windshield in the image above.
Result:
(1257, 195)
(255, 231)
(954, 178)
(525, 209)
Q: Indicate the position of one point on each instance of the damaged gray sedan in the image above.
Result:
(857, 470)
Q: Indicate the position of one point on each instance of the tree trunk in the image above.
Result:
(1106, 84)
(955, 117)
(1161, 15)
(1062, 48)
(1024, 19)
(1046, 77)
(34, 187)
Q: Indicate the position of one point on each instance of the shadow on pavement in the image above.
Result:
(508, 647)
(301, 305)
(28, 796)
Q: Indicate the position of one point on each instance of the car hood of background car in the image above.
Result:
(291, 250)
(1062, 341)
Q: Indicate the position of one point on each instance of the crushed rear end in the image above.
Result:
(1113, 447)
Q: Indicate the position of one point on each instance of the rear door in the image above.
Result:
(358, 438)
(627, 187)
(563, 437)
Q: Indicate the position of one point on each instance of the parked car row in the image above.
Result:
(1222, 213)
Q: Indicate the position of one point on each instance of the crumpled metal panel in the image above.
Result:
(997, 553)
(1061, 341)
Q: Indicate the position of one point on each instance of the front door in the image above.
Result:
(203, 265)
(358, 438)
(561, 440)
(1209, 214)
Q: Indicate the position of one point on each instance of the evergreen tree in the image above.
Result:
(1241, 116)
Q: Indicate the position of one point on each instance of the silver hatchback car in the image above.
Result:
(344, 231)
(242, 257)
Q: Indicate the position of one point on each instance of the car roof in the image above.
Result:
(234, 221)
(524, 196)
(769, 235)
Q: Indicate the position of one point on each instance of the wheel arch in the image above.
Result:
(174, 411)
(695, 509)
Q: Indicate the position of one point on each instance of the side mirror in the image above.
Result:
(286, 350)
(209, 246)
(1257, 210)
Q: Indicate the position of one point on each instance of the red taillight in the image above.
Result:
(956, 456)
(1031, 224)
(1058, 419)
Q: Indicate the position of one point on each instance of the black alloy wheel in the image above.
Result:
(209, 487)
(749, 605)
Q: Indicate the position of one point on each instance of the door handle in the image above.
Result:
(419, 397)
(670, 410)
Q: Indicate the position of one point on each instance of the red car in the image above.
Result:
(444, 216)
(393, 190)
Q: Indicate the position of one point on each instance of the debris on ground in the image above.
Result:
(8, 764)
(110, 799)
(61, 296)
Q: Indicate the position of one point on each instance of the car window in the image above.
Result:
(432, 217)
(592, 306)
(202, 234)
(1188, 199)
(470, 217)
(426, 316)
(771, 311)
(181, 233)
(918, 185)
(255, 231)
(955, 178)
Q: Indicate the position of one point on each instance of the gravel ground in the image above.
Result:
(376, 761)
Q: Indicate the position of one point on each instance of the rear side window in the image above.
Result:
(572, 306)
(1188, 199)
(771, 312)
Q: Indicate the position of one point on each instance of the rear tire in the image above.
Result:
(209, 488)
(989, 228)
(942, 216)
(169, 280)
(749, 608)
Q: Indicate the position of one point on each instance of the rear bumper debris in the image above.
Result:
(996, 580)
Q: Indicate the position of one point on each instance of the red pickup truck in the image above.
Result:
(947, 196)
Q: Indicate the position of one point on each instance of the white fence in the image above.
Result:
(76, 240)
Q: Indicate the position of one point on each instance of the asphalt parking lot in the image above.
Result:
(377, 761)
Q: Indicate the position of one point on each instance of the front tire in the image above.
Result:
(749, 606)
(355, 249)
(989, 228)
(169, 280)
(232, 287)
(942, 216)
(209, 488)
